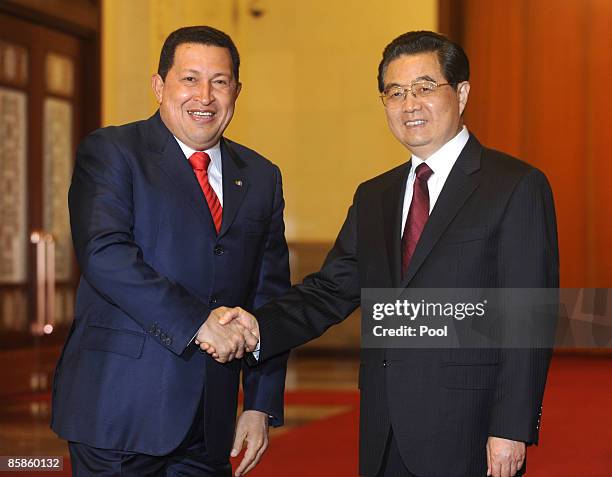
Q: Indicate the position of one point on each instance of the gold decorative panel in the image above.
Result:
(59, 74)
(57, 170)
(13, 172)
(13, 64)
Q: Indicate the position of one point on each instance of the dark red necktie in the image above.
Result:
(417, 214)
(199, 162)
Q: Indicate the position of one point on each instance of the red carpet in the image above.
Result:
(576, 435)
(322, 448)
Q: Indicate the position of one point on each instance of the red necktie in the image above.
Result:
(417, 214)
(199, 162)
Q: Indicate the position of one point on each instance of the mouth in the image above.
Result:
(415, 123)
(201, 115)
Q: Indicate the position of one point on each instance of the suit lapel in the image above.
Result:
(392, 203)
(460, 184)
(234, 184)
(172, 161)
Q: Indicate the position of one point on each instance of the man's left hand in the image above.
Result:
(504, 457)
(252, 427)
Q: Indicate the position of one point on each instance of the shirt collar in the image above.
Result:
(442, 161)
(214, 153)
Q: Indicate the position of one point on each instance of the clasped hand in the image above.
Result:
(228, 333)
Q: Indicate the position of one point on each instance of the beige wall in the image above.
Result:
(309, 99)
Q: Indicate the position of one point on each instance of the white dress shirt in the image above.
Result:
(440, 162)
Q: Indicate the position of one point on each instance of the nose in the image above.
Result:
(204, 93)
(411, 103)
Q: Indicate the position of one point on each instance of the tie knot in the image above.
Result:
(199, 161)
(423, 172)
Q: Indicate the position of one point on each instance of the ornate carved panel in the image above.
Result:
(13, 171)
(57, 169)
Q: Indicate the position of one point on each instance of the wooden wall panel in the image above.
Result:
(599, 134)
(540, 72)
(553, 135)
(496, 122)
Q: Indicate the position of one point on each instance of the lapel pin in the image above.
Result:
(238, 182)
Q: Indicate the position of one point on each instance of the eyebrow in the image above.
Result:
(426, 78)
(392, 85)
(198, 73)
(420, 78)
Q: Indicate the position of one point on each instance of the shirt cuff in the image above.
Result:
(256, 350)
(192, 340)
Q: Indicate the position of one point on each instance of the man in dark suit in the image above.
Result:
(171, 220)
(456, 215)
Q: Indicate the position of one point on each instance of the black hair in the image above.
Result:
(204, 35)
(453, 60)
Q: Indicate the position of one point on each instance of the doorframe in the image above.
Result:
(81, 18)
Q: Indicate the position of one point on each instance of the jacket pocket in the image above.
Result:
(255, 226)
(463, 235)
(123, 342)
(469, 376)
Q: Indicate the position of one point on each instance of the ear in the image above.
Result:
(238, 89)
(463, 90)
(157, 83)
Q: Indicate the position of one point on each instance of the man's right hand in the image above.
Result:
(243, 317)
(226, 338)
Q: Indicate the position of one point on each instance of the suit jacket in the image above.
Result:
(153, 267)
(493, 226)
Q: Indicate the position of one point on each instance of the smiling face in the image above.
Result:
(424, 125)
(197, 98)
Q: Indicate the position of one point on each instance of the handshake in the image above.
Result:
(228, 333)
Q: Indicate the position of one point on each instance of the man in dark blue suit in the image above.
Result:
(169, 221)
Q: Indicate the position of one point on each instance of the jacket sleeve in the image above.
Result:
(264, 385)
(528, 258)
(102, 220)
(324, 298)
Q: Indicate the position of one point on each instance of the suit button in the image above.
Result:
(384, 363)
(213, 301)
(168, 341)
(162, 337)
(157, 332)
(218, 250)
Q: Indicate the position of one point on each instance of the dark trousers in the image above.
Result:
(190, 459)
(392, 463)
